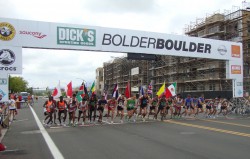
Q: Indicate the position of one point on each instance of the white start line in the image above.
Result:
(52, 147)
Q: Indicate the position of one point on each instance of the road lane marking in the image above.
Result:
(209, 128)
(228, 123)
(52, 147)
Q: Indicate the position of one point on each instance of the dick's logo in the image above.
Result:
(76, 36)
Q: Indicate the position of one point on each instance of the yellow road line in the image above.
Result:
(209, 128)
(228, 123)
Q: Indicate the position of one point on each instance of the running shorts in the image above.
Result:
(120, 108)
(200, 106)
(130, 108)
(100, 108)
(208, 107)
(152, 107)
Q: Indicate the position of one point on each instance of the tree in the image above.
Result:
(17, 84)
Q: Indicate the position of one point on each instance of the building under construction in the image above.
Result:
(121, 71)
(193, 75)
(207, 75)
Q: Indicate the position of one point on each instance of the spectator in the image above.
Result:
(2, 109)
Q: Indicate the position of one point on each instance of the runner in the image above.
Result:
(216, 106)
(201, 104)
(195, 105)
(112, 104)
(92, 107)
(101, 105)
(72, 106)
(178, 103)
(54, 110)
(188, 105)
(62, 109)
(144, 100)
(153, 106)
(120, 107)
(12, 108)
(210, 108)
(83, 107)
(49, 106)
(162, 107)
(2, 111)
(170, 107)
(137, 103)
(224, 106)
(130, 103)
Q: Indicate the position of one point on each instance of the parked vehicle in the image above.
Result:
(24, 96)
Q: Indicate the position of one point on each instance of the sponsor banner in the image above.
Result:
(37, 34)
(76, 36)
(10, 60)
(235, 69)
(4, 91)
(235, 51)
(237, 88)
(121, 40)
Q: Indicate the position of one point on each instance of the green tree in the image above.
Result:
(17, 84)
(30, 90)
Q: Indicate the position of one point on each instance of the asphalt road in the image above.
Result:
(175, 139)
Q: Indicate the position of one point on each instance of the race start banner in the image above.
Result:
(36, 34)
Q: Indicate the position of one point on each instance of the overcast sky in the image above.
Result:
(42, 68)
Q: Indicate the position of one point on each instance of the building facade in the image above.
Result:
(231, 26)
(118, 71)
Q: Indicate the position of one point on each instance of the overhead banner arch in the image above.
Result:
(15, 33)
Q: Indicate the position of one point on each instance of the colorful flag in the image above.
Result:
(115, 92)
(171, 90)
(69, 91)
(150, 88)
(127, 90)
(141, 91)
(57, 91)
(80, 93)
(161, 90)
(92, 89)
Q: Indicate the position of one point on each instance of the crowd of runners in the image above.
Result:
(91, 110)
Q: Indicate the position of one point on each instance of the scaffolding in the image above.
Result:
(118, 72)
(232, 25)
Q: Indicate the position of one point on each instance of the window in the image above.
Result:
(211, 86)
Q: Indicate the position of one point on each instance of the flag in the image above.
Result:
(150, 88)
(141, 91)
(127, 90)
(161, 90)
(57, 91)
(69, 91)
(171, 90)
(80, 93)
(115, 92)
(92, 89)
(81, 90)
(85, 89)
